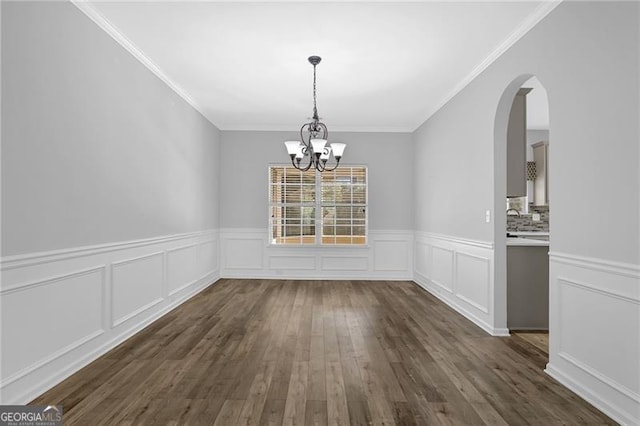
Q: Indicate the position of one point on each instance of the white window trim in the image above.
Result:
(318, 218)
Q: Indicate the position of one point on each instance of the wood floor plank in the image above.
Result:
(77, 387)
(204, 411)
(317, 382)
(101, 394)
(337, 411)
(539, 339)
(271, 352)
(257, 398)
(303, 342)
(359, 414)
(273, 413)
(295, 406)
(229, 413)
(402, 414)
(316, 413)
(379, 405)
(282, 375)
(354, 390)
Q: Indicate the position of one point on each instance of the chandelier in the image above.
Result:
(313, 139)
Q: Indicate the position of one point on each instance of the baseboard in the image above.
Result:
(88, 358)
(83, 361)
(117, 289)
(459, 272)
(425, 284)
(585, 393)
(594, 306)
(529, 329)
(341, 277)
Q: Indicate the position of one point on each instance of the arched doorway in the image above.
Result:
(532, 210)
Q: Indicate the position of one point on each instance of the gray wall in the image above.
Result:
(586, 56)
(95, 148)
(247, 155)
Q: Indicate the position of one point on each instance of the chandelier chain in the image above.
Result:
(315, 109)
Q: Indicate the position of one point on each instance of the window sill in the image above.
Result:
(319, 246)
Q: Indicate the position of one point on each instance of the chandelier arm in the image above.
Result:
(301, 168)
(307, 149)
(307, 144)
(332, 169)
(325, 131)
(308, 166)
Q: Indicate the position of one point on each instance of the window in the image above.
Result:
(518, 203)
(318, 208)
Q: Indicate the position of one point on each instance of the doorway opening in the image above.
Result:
(522, 211)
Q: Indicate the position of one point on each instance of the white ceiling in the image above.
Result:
(385, 66)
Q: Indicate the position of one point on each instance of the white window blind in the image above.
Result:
(344, 205)
(318, 208)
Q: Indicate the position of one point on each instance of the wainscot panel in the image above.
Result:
(391, 255)
(63, 309)
(294, 262)
(62, 301)
(136, 285)
(599, 299)
(460, 273)
(246, 253)
(242, 251)
(345, 263)
(422, 256)
(473, 280)
(182, 267)
(442, 267)
(208, 256)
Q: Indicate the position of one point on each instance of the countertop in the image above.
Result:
(529, 233)
(520, 241)
(528, 238)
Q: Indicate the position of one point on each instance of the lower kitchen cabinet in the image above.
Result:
(528, 287)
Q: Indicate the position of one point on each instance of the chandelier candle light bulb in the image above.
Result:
(314, 145)
(338, 149)
(318, 146)
(293, 147)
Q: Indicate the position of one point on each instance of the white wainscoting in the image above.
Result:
(62, 309)
(594, 323)
(459, 272)
(246, 253)
(136, 285)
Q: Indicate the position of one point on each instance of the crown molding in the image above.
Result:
(531, 21)
(102, 22)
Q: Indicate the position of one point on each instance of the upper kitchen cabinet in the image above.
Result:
(516, 146)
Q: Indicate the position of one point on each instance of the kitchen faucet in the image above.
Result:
(513, 210)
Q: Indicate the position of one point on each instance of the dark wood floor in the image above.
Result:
(318, 352)
(539, 339)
